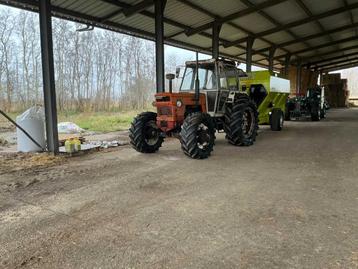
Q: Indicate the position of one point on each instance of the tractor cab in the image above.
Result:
(215, 79)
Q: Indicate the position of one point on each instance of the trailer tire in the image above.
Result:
(197, 135)
(242, 124)
(276, 119)
(144, 134)
(287, 114)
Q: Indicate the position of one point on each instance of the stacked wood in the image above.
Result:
(336, 90)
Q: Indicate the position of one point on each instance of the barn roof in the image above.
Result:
(321, 35)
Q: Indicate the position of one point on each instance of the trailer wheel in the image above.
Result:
(287, 114)
(242, 126)
(144, 134)
(276, 119)
(198, 135)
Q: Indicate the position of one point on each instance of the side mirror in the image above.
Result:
(177, 72)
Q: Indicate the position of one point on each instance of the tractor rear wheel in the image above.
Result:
(241, 122)
(276, 119)
(315, 113)
(144, 134)
(323, 113)
(197, 135)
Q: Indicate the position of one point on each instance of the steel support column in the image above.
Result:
(159, 43)
(299, 79)
(249, 44)
(48, 75)
(271, 58)
(287, 65)
(320, 77)
(215, 39)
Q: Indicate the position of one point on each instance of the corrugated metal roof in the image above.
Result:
(281, 23)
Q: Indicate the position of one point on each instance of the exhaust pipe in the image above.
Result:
(197, 82)
(170, 77)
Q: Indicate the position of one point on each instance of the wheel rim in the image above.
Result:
(248, 122)
(151, 133)
(281, 121)
(203, 136)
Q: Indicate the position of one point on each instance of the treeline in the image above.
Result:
(94, 70)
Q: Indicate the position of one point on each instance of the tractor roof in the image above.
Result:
(210, 62)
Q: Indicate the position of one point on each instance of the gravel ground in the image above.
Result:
(289, 201)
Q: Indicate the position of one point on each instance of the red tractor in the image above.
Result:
(208, 100)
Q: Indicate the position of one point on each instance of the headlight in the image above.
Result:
(179, 103)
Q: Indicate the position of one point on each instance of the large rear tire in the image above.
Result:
(323, 113)
(197, 135)
(241, 122)
(315, 114)
(276, 119)
(144, 134)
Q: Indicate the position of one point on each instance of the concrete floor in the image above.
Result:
(289, 201)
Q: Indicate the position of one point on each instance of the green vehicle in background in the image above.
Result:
(313, 105)
(270, 94)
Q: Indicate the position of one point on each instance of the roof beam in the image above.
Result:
(310, 14)
(321, 46)
(350, 15)
(166, 20)
(236, 15)
(217, 18)
(332, 58)
(307, 60)
(335, 63)
(335, 30)
(32, 5)
(137, 7)
(112, 15)
(273, 21)
(128, 11)
(340, 67)
(297, 23)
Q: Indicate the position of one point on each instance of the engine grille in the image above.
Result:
(164, 111)
(162, 98)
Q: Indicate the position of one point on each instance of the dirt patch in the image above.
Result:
(4, 129)
(24, 161)
(3, 142)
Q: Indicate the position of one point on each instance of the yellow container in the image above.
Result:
(69, 146)
(77, 144)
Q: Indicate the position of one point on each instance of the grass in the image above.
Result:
(100, 121)
(93, 121)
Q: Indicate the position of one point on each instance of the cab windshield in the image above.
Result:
(206, 75)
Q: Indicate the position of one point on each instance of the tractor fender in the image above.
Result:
(231, 97)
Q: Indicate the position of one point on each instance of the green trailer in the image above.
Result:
(270, 94)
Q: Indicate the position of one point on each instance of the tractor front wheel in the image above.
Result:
(144, 134)
(197, 135)
(242, 123)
